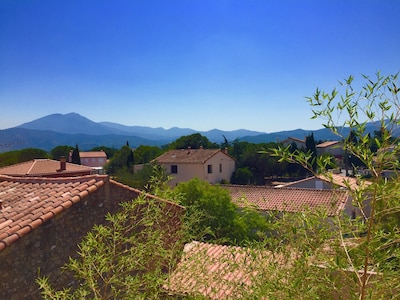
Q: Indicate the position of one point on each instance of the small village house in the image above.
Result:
(211, 165)
(94, 159)
(300, 143)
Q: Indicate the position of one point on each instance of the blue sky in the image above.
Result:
(190, 64)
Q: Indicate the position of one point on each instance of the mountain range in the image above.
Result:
(70, 129)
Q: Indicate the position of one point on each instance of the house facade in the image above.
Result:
(42, 220)
(94, 159)
(300, 143)
(211, 165)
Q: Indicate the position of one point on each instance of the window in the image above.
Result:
(209, 168)
(220, 168)
(174, 169)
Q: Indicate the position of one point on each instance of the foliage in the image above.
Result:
(119, 162)
(18, 156)
(145, 154)
(195, 141)
(220, 219)
(60, 151)
(242, 176)
(312, 149)
(109, 151)
(75, 156)
(376, 231)
(130, 161)
(129, 258)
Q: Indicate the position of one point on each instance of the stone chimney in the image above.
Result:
(188, 149)
(63, 164)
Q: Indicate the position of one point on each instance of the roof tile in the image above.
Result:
(288, 199)
(193, 156)
(214, 271)
(43, 167)
(28, 202)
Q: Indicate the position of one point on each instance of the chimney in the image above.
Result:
(63, 163)
(188, 149)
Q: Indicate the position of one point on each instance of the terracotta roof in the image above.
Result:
(288, 199)
(90, 154)
(27, 202)
(327, 144)
(194, 156)
(294, 139)
(214, 271)
(42, 167)
(343, 181)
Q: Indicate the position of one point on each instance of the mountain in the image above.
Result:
(20, 138)
(72, 128)
(71, 123)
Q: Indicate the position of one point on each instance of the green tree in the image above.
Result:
(312, 149)
(119, 161)
(18, 156)
(60, 151)
(128, 258)
(242, 176)
(144, 154)
(32, 153)
(376, 249)
(108, 150)
(75, 156)
(195, 141)
(130, 161)
(219, 219)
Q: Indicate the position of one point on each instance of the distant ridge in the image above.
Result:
(72, 128)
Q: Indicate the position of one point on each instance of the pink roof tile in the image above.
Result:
(26, 203)
(327, 144)
(288, 199)
(43, 167)
(343, 181)
(93, 154)
(193, 156)
(214, 271)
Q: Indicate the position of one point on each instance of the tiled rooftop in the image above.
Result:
(214, 271)
(343, 181)
(42, 167)
(92, 154)
(327, 144)
(187, 156)
(288, 199)
(27, 202)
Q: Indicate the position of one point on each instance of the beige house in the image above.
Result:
(299, 143)
(212, 165)
(94, 159)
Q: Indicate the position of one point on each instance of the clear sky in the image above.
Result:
(206, 64)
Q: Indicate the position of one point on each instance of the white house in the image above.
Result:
(212, 165)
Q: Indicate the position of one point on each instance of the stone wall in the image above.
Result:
(46, 249)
